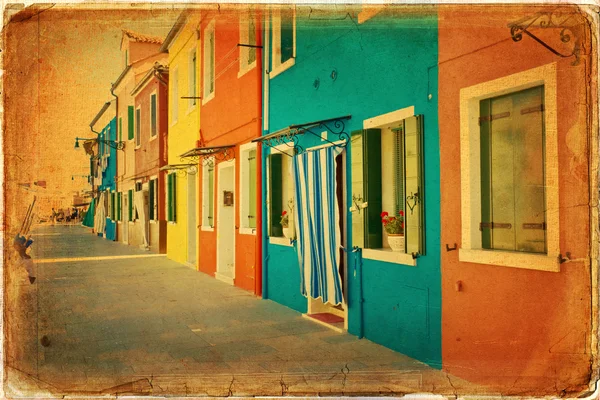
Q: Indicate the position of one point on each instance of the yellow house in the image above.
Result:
(182, 44)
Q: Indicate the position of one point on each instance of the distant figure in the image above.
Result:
(53, 216)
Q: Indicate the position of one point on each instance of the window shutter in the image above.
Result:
(276, 193)
(174, 197)
(119, 200)
(252, 189)
(372, 188)
(170, 197)
(130, 205)
(151, 198)
(357, 188)
(130, 122)
(413, 219)
(112, 206)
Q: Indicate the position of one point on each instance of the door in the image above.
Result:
(191, 223)
(226, 222)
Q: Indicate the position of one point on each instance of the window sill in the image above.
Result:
(207, 228)
(191, 109)
(248, 68)
(152, 221)
(139, 146)
(172, 222)
(248, 231)
(206, 99)
(387, 255)
(281, 241)
(282, 67)
(173, 123)
(152, 138)
(539, 262)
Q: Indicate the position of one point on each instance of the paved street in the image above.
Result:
(142, 324)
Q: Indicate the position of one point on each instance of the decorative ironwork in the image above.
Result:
(290, 135)
(546, 20)
(208, 155)
(115, 144)
(181, 169)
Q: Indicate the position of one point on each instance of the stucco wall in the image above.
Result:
(520, 328)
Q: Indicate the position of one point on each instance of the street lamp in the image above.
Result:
(112, 143)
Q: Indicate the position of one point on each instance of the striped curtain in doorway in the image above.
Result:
(317, 224)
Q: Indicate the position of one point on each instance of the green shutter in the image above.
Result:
(112, 206)
(174, 197)
(170, 197)
(130, 112)
(276, 193)
(287, 35)
(130, 204)
(252, 189)
(413, 150)
(151, 198)
(119, 200)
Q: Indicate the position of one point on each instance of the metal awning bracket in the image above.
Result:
(208, 155)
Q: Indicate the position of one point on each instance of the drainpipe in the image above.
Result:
(264, 228)
(117, 163)
(258, 272)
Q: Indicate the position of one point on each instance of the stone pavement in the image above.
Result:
(148, 325)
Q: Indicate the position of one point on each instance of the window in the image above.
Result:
(130, 131)
(193, 79)
(209, 62)
(153, 116)
(248, 188)
(509, 179)
(130, 205)
(247, 54)
(284, 40)
(153, 199)
(390, 181)
(138, 127)
(280, 191)
(174, 86)
(208, 195)
(171, 197)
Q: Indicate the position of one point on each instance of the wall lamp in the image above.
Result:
(112, 143)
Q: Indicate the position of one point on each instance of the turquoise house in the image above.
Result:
(107, 158)
(351, 133)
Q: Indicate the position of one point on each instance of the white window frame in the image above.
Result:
(137, 127)
(206, 97)
(208, 162)
(154, 93)
(282, 148)
(386, 254)
(174, 93)
(245, 39)
(277, 66)
(192, 73)
(244, 203)
(470, 97)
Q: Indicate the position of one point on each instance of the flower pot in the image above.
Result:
(396, 242)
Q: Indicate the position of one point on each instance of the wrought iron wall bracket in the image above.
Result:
(181, 169)
(568, 32)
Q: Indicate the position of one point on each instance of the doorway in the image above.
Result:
(191, 223)
(226, 222)
(335, 317)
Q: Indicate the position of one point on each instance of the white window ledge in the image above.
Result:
(248, 231)
(152, 221)
(281, 241)
(540, 262)
(282, 67)
(207, 228)
(387, 255)
(172, 222)
(153, 137)
(247, 69)
(208, 98)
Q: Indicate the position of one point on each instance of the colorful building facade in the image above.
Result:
(229, 161)
(358, 102)
(182, 45)
(518, 151)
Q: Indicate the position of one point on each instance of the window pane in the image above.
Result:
(251, 39)
(252, 189)
(153, 115)
(287, 35)
(210, 195)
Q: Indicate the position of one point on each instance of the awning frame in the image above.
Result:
(181, 169)
(208, 155)
(290, 135)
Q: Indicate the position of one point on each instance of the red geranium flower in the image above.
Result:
(401, 213)
(384, 214)
(283, 213)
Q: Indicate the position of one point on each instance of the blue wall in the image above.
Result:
(382, 65)
(108, 175)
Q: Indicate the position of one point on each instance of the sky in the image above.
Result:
(60, 64)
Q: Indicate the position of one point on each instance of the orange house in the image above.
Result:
(229, 163)
(517, 155)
